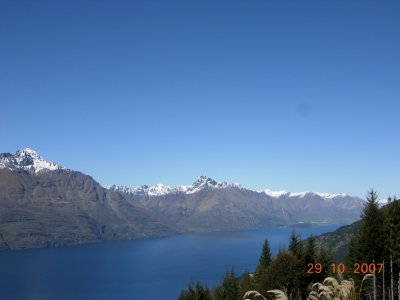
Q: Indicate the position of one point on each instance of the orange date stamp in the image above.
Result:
(358, 268)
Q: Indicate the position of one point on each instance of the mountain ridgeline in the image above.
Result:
(207, 205)
(44, 205)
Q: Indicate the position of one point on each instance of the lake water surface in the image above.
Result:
(146, 269)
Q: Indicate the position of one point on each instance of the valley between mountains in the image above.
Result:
(43, 204)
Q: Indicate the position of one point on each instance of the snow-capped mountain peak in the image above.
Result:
(203, 180)
(27, 159)
(201, 183)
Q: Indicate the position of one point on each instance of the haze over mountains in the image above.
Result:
(43, 204)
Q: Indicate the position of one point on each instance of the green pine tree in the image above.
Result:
(391, 229)
(265, 258)
(280, 273)
(264, 262)
(295, 245)
(246, 284)
(368, 242)
(310, 255)
(296, 248)
(229, 289)
(197, 292)
(367, 246)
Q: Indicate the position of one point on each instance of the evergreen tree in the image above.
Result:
(229, 289)
(279, 274)
(264, 262)
(198, 292)
(391, 229)
(367, 246)
(391, 225)
(295, 245)
(246, 284)
(310, 256)
(296, 248)
(265, 258)
(325, 258)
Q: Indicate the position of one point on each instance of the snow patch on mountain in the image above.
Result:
(331, 196)
(274, 194)
(284, 193)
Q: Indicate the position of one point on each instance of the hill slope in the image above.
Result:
(338, 242)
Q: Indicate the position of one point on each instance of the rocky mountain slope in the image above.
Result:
(338, 241)
(44, 205)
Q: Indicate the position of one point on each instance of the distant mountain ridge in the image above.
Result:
(43, 204)
(208, 205)
(204, 182)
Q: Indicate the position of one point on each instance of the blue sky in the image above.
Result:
(295, 95)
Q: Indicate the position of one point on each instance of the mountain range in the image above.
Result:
(43, 204)
(207, 205)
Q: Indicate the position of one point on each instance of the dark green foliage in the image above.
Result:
(367, 243)
(377, 239)
(310, 251)
(264, 262)
(229, 289)
(325, 258)
(314, 255)
(246, 283)
(295, 245)
(310, 256)
(266, 256)
(198, 292)
(391, 228)
(297, 249)
(288, 269)
(279, 274)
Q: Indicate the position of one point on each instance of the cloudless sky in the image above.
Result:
(295, 95)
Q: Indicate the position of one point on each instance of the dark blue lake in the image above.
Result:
(145, 269)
